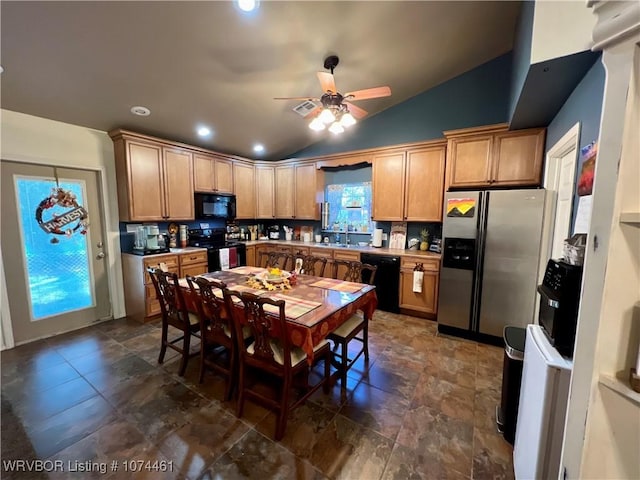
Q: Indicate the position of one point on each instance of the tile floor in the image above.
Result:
(425, 409)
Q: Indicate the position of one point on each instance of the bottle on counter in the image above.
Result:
(183, 236)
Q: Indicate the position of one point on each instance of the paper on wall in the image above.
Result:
(583, 215)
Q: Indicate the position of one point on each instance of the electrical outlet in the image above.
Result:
(384, 237)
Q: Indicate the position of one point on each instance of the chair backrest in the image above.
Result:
(314, 265)
(212, 310)
(172, 304)
(273, 259)
(267, 330)
(355, 271)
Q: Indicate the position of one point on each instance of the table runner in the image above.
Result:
(294, 307)
(339, 285)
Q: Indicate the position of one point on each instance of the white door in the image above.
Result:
(54, 266)
(564, 202)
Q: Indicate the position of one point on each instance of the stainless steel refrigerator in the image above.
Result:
(491, 251)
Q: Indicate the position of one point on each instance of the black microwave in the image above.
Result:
(212, 205)
(559, 304)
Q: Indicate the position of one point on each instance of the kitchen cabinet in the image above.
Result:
(178, 184)
(388, 186)
(265, 191)
(299, 190)
(408, 184)
(139, 293)
(518, 157)
(244, 188)
(494, 157)
(427, 300)
(193, 263)
(212, 173)
(154, 181)
(285, 178)
(251, 255)
(308, 192)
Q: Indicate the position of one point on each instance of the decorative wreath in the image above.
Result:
(58, 222)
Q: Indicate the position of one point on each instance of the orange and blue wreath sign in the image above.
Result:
(75, 219)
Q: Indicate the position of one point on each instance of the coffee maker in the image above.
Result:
(149, 240)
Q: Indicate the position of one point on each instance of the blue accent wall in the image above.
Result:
(477, 97)
(521, 53)
(584, 105)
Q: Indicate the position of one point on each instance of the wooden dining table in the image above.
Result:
(314, 306)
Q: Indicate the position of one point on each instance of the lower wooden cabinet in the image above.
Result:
(427, 300)
(195, 263)
(139, 293)
(251, 255)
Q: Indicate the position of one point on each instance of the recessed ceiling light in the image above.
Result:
(204, 131)
(258, 148)
(248, 5)
(140, 110)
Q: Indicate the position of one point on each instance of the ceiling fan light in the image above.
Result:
(316, 124)
(326, 116)
(336, 128)
(347, 120)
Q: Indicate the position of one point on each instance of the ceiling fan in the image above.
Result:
(336, 108)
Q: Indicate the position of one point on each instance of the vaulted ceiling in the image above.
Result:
(208, 63)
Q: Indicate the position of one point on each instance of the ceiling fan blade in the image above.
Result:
(311, 99)
(355, 110)
(327, 82)
(376, 92)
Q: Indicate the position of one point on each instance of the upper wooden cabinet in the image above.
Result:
(265, 191)
(178, 183)
(492, 156)
(408, 184)
(388, 186)
(285, 179)
(308, 180)
(298, 191)
(212, 173)
(518, 157)
(244, 186)
(155, 181)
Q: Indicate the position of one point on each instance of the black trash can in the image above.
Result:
(507, 411)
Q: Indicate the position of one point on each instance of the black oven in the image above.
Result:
(236, 253)
(218, 248)
(559, 303)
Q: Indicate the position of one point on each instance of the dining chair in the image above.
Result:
(218, 350)
(175, 314)
(312, 265)
(273, 356)
(273, 259)
(357, 324)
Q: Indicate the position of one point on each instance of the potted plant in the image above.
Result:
(424, 239)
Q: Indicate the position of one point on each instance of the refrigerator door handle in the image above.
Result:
(483, 200)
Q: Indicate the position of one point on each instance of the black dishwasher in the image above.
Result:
(387, 280)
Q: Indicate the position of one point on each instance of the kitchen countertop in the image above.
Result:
(355, 248)
(172, 251)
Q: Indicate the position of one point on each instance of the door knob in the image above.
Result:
(100, 256)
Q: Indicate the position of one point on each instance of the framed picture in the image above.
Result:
(587, 172)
